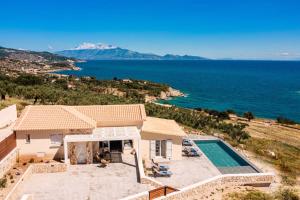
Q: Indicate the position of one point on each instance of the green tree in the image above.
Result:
(283, 120)
(248, 115)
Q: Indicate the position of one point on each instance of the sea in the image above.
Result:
(268, 89)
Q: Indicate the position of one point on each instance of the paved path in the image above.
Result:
(189, 171)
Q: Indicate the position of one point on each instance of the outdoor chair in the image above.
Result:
(160, 167)
(191, 152)
(158, 173)
(186, 142)
(103, 163)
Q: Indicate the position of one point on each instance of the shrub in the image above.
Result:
(288, 179)
(256, 195)
(284, 165)
(250, 195)
(26, 79)
(31, 160)
(287, 194)
(230, 111)
(3, 182)
(248, 115)
(283, 120)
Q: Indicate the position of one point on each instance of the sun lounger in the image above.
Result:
(191, 152)
(158, 173)
(186, 142)
(160, 167)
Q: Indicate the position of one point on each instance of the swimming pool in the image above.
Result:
(224, 158)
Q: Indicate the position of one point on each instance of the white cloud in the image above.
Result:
(284, 54)
(50, 47)
(88, 45)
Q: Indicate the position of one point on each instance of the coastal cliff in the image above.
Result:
(164, 95)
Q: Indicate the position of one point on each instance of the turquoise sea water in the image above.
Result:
(266, 88)
(219, 154)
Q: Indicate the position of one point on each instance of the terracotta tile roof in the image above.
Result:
(114, 115)
(162, 126)
(52, 117)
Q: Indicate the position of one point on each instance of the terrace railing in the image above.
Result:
(161, 191)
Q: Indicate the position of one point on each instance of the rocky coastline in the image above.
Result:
(164, 95)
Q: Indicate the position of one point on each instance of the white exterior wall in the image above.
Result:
(40, 143)
(8, 116)
(176, 144)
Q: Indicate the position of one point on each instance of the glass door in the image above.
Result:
(161, 148)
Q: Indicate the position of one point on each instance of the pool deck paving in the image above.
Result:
(82, 182)
(189, 170)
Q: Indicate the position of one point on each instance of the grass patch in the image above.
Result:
(281, 194)
(285, 157)
(11, 101)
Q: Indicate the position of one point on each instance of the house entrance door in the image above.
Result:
(81, 153)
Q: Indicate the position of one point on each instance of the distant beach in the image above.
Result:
(266, 88)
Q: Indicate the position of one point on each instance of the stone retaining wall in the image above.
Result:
(14, 193)
(8, 162)
(212, 188)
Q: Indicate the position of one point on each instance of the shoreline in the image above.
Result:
(164, 96)
(52, 71)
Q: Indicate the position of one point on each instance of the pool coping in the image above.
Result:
(230, 147)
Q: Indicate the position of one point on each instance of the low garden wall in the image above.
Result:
(49, 167)
(213, 187)
(8, 162)
(143, 179)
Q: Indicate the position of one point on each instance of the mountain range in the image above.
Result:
(31, 56)
(90, 51)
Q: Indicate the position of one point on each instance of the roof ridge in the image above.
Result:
(22, 117)
(80, 115)
(143, 111)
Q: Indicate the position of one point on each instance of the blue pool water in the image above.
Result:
(220, 154)
(266, 88)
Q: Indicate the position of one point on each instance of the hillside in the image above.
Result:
(89, 51)
(31, 56)
(14, 61)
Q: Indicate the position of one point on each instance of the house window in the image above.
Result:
(157, 148)
(27, 138)
(161, 148)
(56, 139)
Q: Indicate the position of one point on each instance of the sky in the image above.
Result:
(239, 29)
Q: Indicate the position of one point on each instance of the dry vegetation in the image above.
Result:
(285, 134)
(11, 101)
(277, 145)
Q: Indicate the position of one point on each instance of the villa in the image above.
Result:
(76, 134)
(102, 149)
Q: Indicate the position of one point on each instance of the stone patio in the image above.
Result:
(82, 182)
(189, 171)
